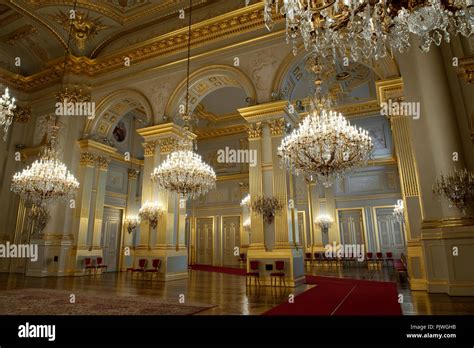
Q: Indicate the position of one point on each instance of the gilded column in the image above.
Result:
(84, 201)
(254, 131)
(102, 168)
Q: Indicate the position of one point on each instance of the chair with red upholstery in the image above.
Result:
(280, 273)
(89, 266)
(141, 267)
(308, 258)
(369, 258)
(318, 258)
(389, 257)
(100, 265)
(401, 266)
(155, 264)
(253, 273)
(379, 258)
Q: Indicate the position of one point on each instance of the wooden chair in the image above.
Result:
(141, 267)
(280, 273)
(379, 258)
(401, 266)
(389, 257)
(89, 266)
(253, 273)
(318, 258)
(155, 264)
(308, 258)
(369, 258)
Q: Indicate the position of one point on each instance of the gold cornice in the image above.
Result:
(448, 222)
(263, 112)
(238, 176)
(163, 130)
(220, 132)
(389, 89)
(385, 161)
(110, 152)
(352, 110)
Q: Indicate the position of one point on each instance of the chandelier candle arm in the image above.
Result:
(7, 105)
(151, 211)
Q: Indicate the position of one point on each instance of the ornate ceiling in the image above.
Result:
(36, 31)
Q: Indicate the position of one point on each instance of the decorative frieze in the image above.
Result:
(254, 130)
(22, 114)
(167, 144)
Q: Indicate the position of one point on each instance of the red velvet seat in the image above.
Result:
(308, 258)
(141, 267)
(100, 265)
(389, 257)
(253, 273)
(369, 257)
(280, 273)
(155, 264)
(379, 258)
(89, 266)
(318, 257)
(400, 266)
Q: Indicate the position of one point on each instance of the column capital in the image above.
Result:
(466, 66)
(133, 173)
(103, 162)
(149, 147)
(389, 89)
(277, 126)
(87, 159)
(167, 144)
(22, 114)
(254, 130)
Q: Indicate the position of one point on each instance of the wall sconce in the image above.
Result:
(132, 222)
(324, 221)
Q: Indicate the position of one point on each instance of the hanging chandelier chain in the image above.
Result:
(189, 55)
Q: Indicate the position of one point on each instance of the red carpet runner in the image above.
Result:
(333, 296)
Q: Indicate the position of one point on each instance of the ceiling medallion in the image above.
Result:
(368, 29)
(7, 105)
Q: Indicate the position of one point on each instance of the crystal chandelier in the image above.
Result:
(245, 202)
(131, 222)
(457, 187)
(47, 179)
(7, 105)
(398, 211)
(368, 29)
(267, 207)
(325, 146)
(151, 211)
(183, 171)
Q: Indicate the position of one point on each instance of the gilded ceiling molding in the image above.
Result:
(208, 133)
(18, 34)
(87, 159)
(218, 28)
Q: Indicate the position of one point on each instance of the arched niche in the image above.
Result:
(113, 107)
(205, 81)
(293, 76)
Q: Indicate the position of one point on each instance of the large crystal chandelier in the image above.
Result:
(367, 29)
(47, 179)
(325, 146)
(7, 105)
(183, 171)
(457, 187)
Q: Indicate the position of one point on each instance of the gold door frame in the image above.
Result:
(213, 234)
(364, 224)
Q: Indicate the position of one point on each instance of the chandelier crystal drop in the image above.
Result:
(185, 173)
(369, 29)
(47, 180)
(7, 105)
(325, 147)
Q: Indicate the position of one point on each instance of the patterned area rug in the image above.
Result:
(57, 302)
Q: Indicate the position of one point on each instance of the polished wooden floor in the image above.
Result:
(229, 295)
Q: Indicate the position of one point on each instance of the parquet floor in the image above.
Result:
(229, 294)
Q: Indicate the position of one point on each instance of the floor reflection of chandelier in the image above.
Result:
(185, 173)
(325, 147)
(7, 105)
(46, 180)
(365, 29)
